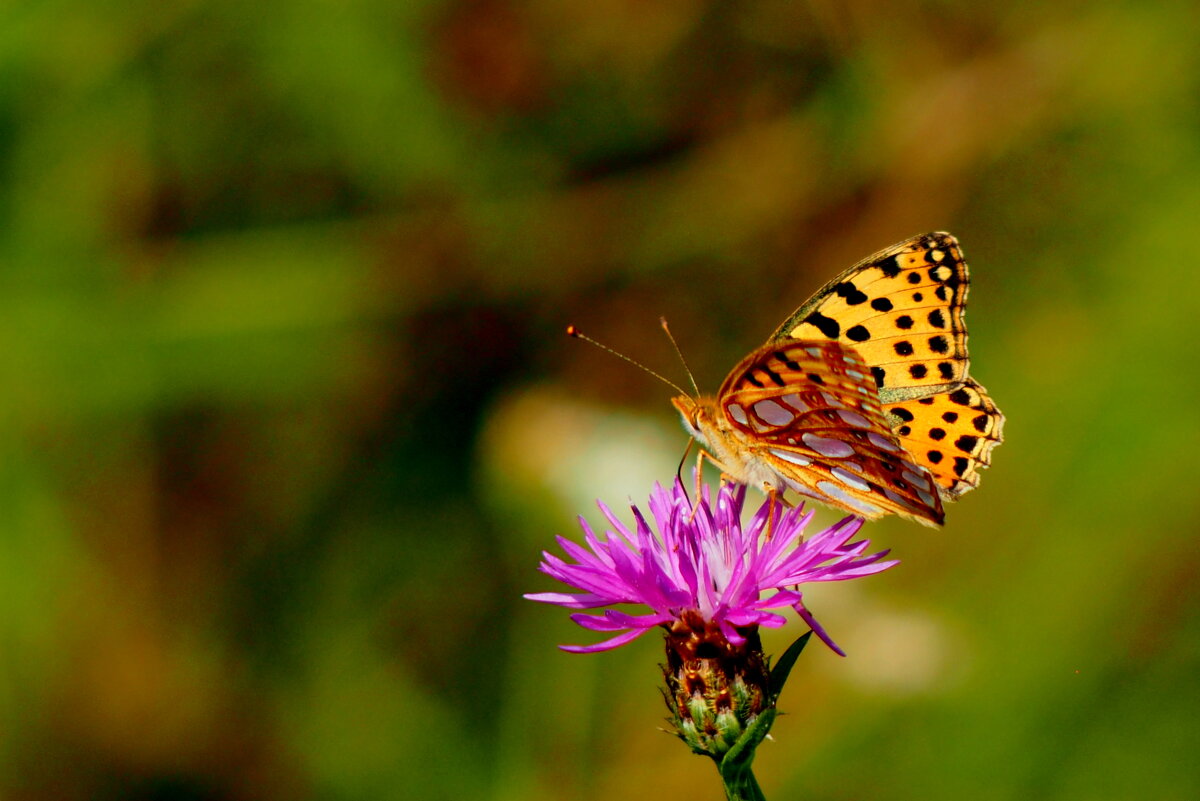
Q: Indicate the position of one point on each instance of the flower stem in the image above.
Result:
(744, 788)
(740, 784)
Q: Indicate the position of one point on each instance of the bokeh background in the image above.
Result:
(287, 413)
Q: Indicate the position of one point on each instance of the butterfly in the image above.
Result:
(862, 398)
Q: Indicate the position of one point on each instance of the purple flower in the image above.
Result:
(700, 561)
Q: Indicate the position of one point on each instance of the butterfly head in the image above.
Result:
(698, 416)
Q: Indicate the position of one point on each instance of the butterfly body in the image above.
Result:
(734, 453)
(862, 398)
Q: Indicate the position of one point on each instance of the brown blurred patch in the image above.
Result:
(484, 56)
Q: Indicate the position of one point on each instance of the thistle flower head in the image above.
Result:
(697, 565)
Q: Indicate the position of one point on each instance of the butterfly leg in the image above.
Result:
(701, 455)
(774, 497)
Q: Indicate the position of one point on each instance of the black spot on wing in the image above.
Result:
(826, 325)
(960, 465)
(934, 456)
(787, 362)
(851, 293)
(858, 333)
(946, 369)
(904, 322)
(881, 304)
(980, 423)
(816, 379)
(902, 413)
(937, 319)
(890, 267)
(937, 433)
(918, 370)
(939, 344)
(949, 417)
(878, 373)
(966, 443)
(903, 348)
(961, 397)
(914, 277)
(775, 377)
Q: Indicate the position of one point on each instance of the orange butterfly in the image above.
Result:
(861, 399)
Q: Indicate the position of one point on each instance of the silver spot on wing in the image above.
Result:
(832, 400)
(880, 441)
(834, 491)
(833, 448)
(854, 418)
(773, 413)
(790, 456)
(849, 479)
(793, 400)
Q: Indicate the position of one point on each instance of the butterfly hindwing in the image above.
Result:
(951, 434)
(809, 409)
(902, 310)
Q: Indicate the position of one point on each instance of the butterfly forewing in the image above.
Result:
(810, 410)
(952, 434)
(902, 310)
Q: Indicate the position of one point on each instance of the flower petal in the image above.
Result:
(607, 645)
(691, 557)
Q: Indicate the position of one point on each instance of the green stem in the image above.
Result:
(740, 784)
(744, 787)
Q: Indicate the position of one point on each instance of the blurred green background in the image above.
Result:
(287, 413)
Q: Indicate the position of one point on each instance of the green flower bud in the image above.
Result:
(715, 689)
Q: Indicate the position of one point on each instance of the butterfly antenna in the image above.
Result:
(572, 331)
(663, 321)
